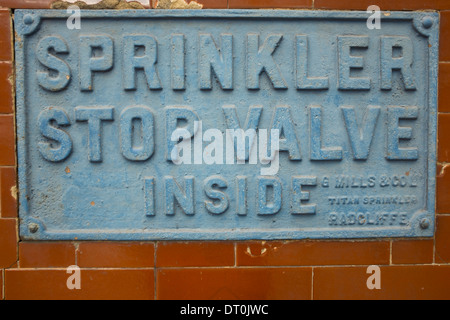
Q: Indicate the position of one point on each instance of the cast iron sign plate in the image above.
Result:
(137, 125)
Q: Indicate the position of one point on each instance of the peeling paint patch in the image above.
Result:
(264, 248)
(261, 254)
(14, 192)
(104, 4)
(11, 79)
(178, 4)
(444, 167)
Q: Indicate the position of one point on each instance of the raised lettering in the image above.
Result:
(282, 121)
(299, 196)
(346, 62)
(52, 62)
(269, 206)
(220, 61)
(402, 63)
(47, 149)
(90, 61)
(260, 59)
(129, 119)
(241, 196)
(394, 133)
(303, 81)
(173, 116)
(360, 136)
(316, 150)
(178, 72)
(94, 116)
(221, 201)
(173, 192)
(251, 123)
(140, 53)
(149, 195)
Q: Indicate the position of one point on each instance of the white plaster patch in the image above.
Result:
(143, 2)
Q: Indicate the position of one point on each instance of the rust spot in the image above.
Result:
(18, 38)
(92, 203)
(407, 173)
(67, 170)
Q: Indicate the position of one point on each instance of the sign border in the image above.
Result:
(28, 21)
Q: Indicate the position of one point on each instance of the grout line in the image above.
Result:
(434, 240)
(434, 250)
(77, 248)
(3, 283)
(241, 267)
(84, 269)
(235, 254)
(390, 253)
(311, 266)
(155, 271)
(287, 266)
(14, 115)
(18, 240)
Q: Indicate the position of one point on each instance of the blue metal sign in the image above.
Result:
(141, 125)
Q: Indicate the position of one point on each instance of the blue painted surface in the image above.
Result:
(96, 107)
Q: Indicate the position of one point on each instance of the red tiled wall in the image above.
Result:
(410, 269)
